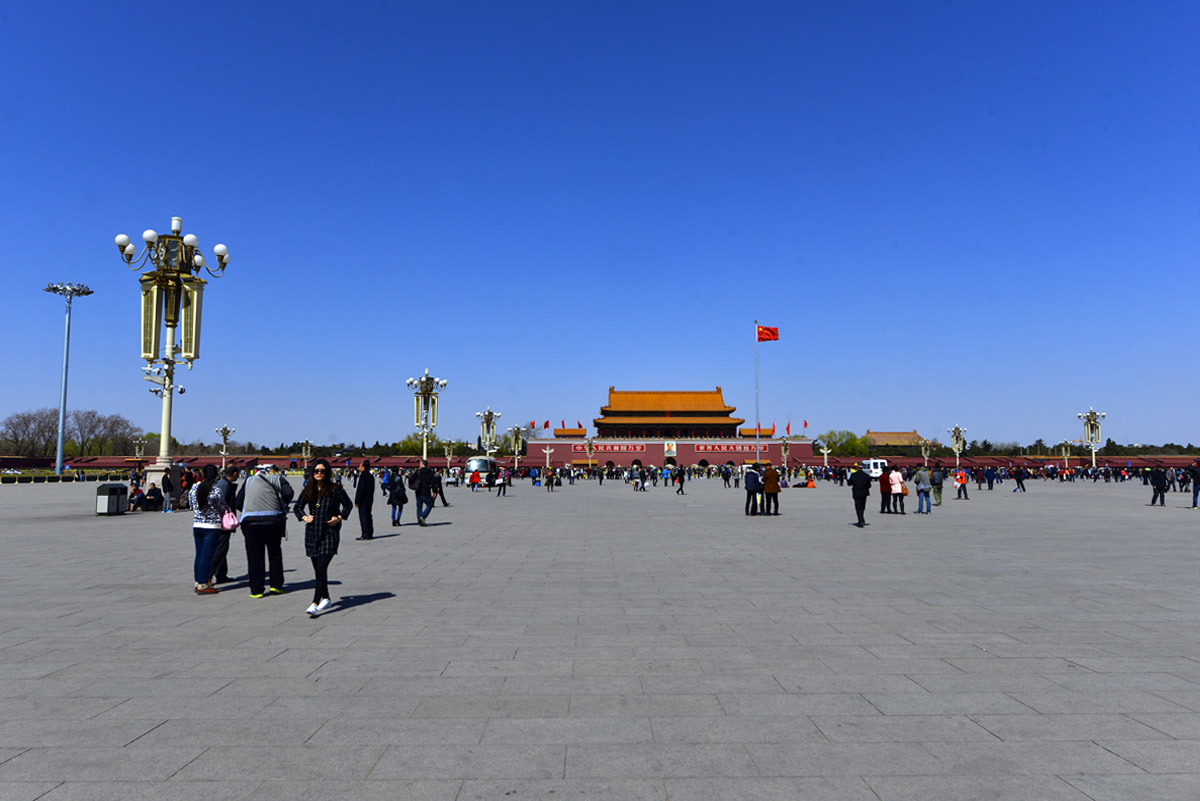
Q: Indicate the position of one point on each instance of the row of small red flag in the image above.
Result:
(533, 424)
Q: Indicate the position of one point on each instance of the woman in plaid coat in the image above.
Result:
(322, 507)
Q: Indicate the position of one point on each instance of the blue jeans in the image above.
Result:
(923, 501)
(396, 512)
(1195, 492)
(206, 543)
(424, 506)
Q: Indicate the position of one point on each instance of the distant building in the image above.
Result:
(893, 439)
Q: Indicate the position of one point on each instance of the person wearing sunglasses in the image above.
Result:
(322, 507)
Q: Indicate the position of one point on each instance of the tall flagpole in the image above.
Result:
(757, 417)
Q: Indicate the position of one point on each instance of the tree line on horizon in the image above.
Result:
(847, 443)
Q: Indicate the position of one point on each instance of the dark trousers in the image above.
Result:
(263, 538)
(366, 521)
(206, 540)
(1159, 496)
(751, 502)
(219, 566)
(885, 502)
(321, 574)
(770, 501)
(962, 493)
(860, 506)
(898, 502)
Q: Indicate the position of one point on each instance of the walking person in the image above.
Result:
(208, 505)
(770, 480)
(364, 499)
(219, 570)
(1158, 482)
(423, 487)
(397, 497)
(860, 490)
(263, 503)
(1194, 472)
(439, 488)
(327, 506)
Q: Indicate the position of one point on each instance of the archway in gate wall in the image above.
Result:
(610, 464)
(704, 463)
(670, 460)
(636, 463)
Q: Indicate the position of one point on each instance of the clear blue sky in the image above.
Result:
(983, 214)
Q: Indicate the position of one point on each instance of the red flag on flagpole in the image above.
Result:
(789, 428)
(546, 424)
(564, 424)
(772, 428)
(578, 424)
(806, 424)
(766, 334)
(533, 423)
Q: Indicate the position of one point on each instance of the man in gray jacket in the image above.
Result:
(263, 502)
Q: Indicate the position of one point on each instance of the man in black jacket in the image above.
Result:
(424, 485)
(364, 497)
(860, 490)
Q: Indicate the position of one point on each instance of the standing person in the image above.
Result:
(474, 481)
(1194, 472)
(364, 499)
(770, 480)
(168, 488)
(960, 483)
(885, 491)
(860, 490)
(397, 497)
(921, 477)
(423, 487)
(220, 562)
(936, 477)
(502, 483)
(208, 504)
(753, 483)
(327, 505)
(896, 485)
(263, 503)
(1158, 482)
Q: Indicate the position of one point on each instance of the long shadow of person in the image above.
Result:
(351, 601)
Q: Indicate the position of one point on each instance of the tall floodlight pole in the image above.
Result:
(171, 296)
(70, 292)
(926, 449)
(224, 432)
(425, 406)
(1091, 430)
(958, 442)
(487, 429)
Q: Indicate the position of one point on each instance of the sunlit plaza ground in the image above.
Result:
(605, 644)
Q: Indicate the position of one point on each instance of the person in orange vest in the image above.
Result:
(960, 482)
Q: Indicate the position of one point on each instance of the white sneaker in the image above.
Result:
(323, 604)
(312, 609)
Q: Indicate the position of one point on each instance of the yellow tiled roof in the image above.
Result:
(638, 401)
(893, 437)
(667, 422)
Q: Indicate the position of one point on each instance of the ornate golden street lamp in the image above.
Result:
(784, 447)
(448, 447)
(958, 442)
(514, 434)
(171, 296)
(425, 406)
(487, 429)
(306, 453)
(589, 445)
(1091, 430)
(926, 449)
(225, 431)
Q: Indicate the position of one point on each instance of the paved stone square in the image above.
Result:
(604, 644)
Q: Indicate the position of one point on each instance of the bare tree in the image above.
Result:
(18, 434)
(119, 434)
(86, 427)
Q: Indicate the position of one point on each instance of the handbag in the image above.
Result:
(903, 489)
(229, 520)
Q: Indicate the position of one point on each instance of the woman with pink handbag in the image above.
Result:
(208, 507)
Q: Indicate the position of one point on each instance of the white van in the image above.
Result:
(874, 467)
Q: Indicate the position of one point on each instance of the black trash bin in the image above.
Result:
(112, 499)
